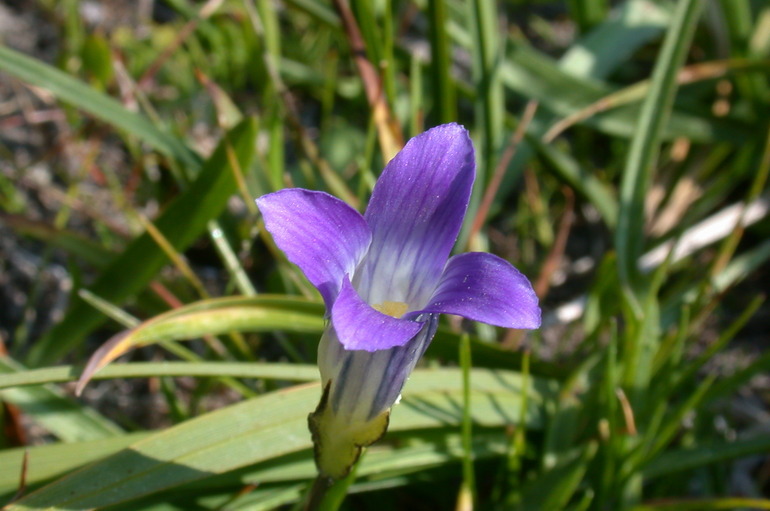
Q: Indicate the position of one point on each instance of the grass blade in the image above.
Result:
(181, 223)
(441, 63)
(214, 317)
(47, 406)
(73, 91)
(643, 153)
(251, 370)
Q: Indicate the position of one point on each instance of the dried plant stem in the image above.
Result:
(391, 139)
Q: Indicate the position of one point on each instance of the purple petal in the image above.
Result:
(360, 327)
(319, 233)
(486, 288)
(415, 214)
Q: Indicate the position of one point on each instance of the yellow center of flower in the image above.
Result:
(395, 309)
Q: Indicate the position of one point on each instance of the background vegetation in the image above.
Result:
(623, 152)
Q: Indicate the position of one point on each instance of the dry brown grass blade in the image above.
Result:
(13, 431)
(106, 353)
(513, 337)
(555, 255)
(22, 479)
(336, 184)
(227, 117)
(389, 133)
(502, 166)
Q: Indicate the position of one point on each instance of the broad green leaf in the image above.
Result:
(181, 223)
(49, 407)
(388, 464)
(413, 452)
(274, 425)
(48, 461)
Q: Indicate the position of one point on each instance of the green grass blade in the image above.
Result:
(588, 12)
(554, 488)
(49, 407)
(253, 370)
(319, 11)
(181, 223)
(587, 184)
(80, 95)
(489, 102)
(535, 76)
(643, 154)
(72, 242)
(729, 503)
(468, 487)
(733, 383)
(614, 41)
(697, 456)
(441, 63)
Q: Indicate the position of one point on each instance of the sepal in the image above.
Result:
(338, 441)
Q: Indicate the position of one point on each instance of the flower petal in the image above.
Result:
(360, 327)
(486, 288)
(415, 214)
(321, 234)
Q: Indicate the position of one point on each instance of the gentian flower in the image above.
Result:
(385, 277)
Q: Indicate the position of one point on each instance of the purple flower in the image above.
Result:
(385, 278)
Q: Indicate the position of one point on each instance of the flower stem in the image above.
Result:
(467, 494)
(318, 491)
(327, 494)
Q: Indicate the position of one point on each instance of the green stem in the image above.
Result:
(317, 493)
(468, 489)
(441, 63)
(326, 494)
